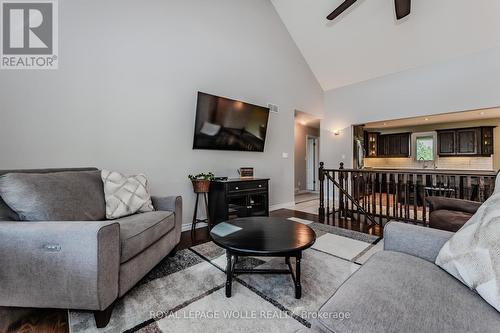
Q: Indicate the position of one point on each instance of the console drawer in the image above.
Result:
(248, 186)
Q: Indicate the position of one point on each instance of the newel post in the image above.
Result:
(341, 186)
(321, 175)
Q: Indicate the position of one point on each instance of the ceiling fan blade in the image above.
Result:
(403, 8)
(340, 9)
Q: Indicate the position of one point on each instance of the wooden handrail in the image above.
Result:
(379, 194)
(351, 199)
(476, 173)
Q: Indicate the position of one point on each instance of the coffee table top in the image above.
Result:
(263, 236)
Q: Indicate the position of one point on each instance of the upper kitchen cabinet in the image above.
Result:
(487, 140)
(371, 139)
(387, 145)
(468, 141)
(397, 145)
(446, 143)
(477, 141)
(382, 146)
(404, 144)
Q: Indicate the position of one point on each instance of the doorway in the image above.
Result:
(307, 135)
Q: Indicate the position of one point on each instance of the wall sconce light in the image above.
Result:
(335, 131)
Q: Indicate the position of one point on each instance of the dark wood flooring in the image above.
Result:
(21, 320)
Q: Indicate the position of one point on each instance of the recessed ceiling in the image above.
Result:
(437, 119)
(367, 41)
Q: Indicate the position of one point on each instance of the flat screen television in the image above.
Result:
(226, 124)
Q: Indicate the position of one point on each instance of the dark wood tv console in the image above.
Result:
(239, 197)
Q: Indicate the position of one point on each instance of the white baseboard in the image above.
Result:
(187, 227)
(282, 206)
(302, 191)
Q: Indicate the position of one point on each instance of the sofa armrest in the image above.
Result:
(172, 204)
(417, 241)
(460, 205)
(70, 265)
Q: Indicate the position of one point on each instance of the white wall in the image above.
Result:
(465, 83)
(124, 96)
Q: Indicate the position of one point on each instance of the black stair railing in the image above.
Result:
(377, 196)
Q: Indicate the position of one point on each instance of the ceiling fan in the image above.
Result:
(403, 8)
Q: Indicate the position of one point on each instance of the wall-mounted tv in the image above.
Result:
(226, 124)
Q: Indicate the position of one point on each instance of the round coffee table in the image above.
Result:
(259, 237)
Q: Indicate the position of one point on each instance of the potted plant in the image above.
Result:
(201, 182)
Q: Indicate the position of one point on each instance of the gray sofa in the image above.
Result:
(400, 289)
(83, 265)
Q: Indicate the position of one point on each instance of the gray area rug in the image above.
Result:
(321, 229)
(186, 293)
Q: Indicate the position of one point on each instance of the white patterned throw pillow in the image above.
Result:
(125, 195)
(472, 255)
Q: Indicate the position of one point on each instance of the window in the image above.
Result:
(425, 148)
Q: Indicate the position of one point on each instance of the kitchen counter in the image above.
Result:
(436, 171)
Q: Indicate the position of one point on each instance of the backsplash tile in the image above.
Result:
(454, 163)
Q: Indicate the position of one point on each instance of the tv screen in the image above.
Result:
(226, 124)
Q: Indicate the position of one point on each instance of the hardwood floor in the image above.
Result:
(199, 236)
(22, 320)
(18, 320)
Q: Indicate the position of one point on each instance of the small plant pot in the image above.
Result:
(201, 185)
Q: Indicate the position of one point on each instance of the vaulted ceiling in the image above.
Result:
(367, 41)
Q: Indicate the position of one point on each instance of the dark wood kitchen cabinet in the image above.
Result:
(404, 144)
(393, 145)
(476, 141)
(371, 143)
(487, 140)
(382, 146)
(446, 143)
(467, 141)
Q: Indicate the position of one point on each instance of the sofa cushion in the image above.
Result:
(449, 220)
(58, 196)
(125, 195)
(396, 292)
(472, 255)
(139, 231)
